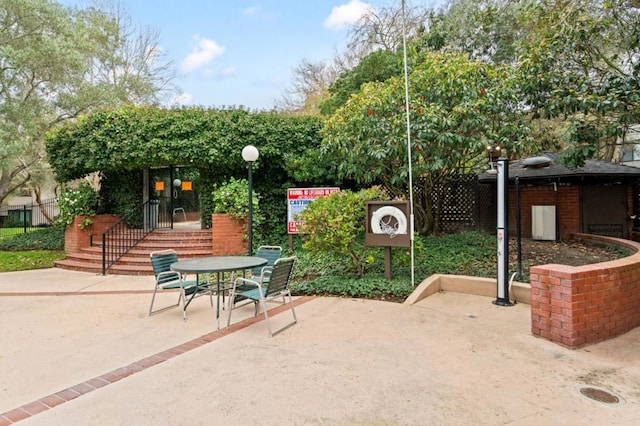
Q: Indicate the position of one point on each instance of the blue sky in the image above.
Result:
(242, 52)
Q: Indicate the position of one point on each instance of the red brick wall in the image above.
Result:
(576, 306)
(228, 235)
(565, 197)
(75, 239)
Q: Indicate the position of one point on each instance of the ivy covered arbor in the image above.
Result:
(126, 141)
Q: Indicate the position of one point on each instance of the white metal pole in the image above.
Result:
(407, 105)
(503, 233)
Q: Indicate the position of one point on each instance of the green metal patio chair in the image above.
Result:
(261, 273)
(166, 279)
(261, 292)
(271, 253)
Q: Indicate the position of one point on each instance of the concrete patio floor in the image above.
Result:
(79, 348)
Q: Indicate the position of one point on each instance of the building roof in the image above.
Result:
(555, 170)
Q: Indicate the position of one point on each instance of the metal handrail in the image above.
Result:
(122, 236)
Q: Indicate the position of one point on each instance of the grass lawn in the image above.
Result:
(25, 260)
(6, 233)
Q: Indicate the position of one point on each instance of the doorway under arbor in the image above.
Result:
(174, 196)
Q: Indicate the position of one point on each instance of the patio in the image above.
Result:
(80, 348)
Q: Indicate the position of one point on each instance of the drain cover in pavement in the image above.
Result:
(600, 395)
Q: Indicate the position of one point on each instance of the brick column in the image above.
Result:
(229, 235)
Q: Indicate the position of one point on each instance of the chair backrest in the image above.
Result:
(271, 253)
(280, 277)
(162, 260)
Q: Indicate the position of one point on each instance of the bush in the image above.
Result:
(363, 287)
(51, 238)
(82, 201)
(232, 198)
(467, 253)
(335, 224)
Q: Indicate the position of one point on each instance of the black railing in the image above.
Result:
(121, 237)
(23, 218)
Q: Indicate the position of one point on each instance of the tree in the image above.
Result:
(382, 29)
(484, 29)
(308, 87)
(57, 63)
(376, 30)
(377, 66)
(579, 63)
(457, 108)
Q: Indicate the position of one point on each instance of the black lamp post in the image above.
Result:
(250, 155)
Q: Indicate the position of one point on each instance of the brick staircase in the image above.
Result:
(187, 243)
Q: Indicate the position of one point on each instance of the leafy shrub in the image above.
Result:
(51, 238)
(81, 201)
(363, 287)
(467, 253)
(232, 198)
(336, 223)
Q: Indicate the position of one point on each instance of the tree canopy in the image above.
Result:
(57, 63)
(458, 108)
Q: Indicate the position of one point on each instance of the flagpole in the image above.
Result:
(406, 97)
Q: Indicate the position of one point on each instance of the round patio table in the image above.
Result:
(217, 265)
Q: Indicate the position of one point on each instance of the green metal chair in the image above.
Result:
(261, 292)
(166, 279)
(271, 253)
(261, 273)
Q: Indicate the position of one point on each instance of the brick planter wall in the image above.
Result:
(577, 306)
(228, 235)
(76, 239)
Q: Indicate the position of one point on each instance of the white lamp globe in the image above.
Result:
(250, 153)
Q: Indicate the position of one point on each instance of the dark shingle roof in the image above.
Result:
(591, 168)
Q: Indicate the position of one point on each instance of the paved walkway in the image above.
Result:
(79, 348)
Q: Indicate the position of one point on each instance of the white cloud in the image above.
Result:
(252, 10)
(206, 50)
(347, 14)
(228, 72)
(182, 99)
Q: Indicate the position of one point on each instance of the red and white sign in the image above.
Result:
(298, 199)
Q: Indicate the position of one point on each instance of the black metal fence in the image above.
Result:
(19, 219)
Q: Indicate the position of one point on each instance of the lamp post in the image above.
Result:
(250, 155)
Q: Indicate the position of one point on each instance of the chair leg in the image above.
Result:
(153, 298)
(293, 310)
(231, 306)
(266, 316)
